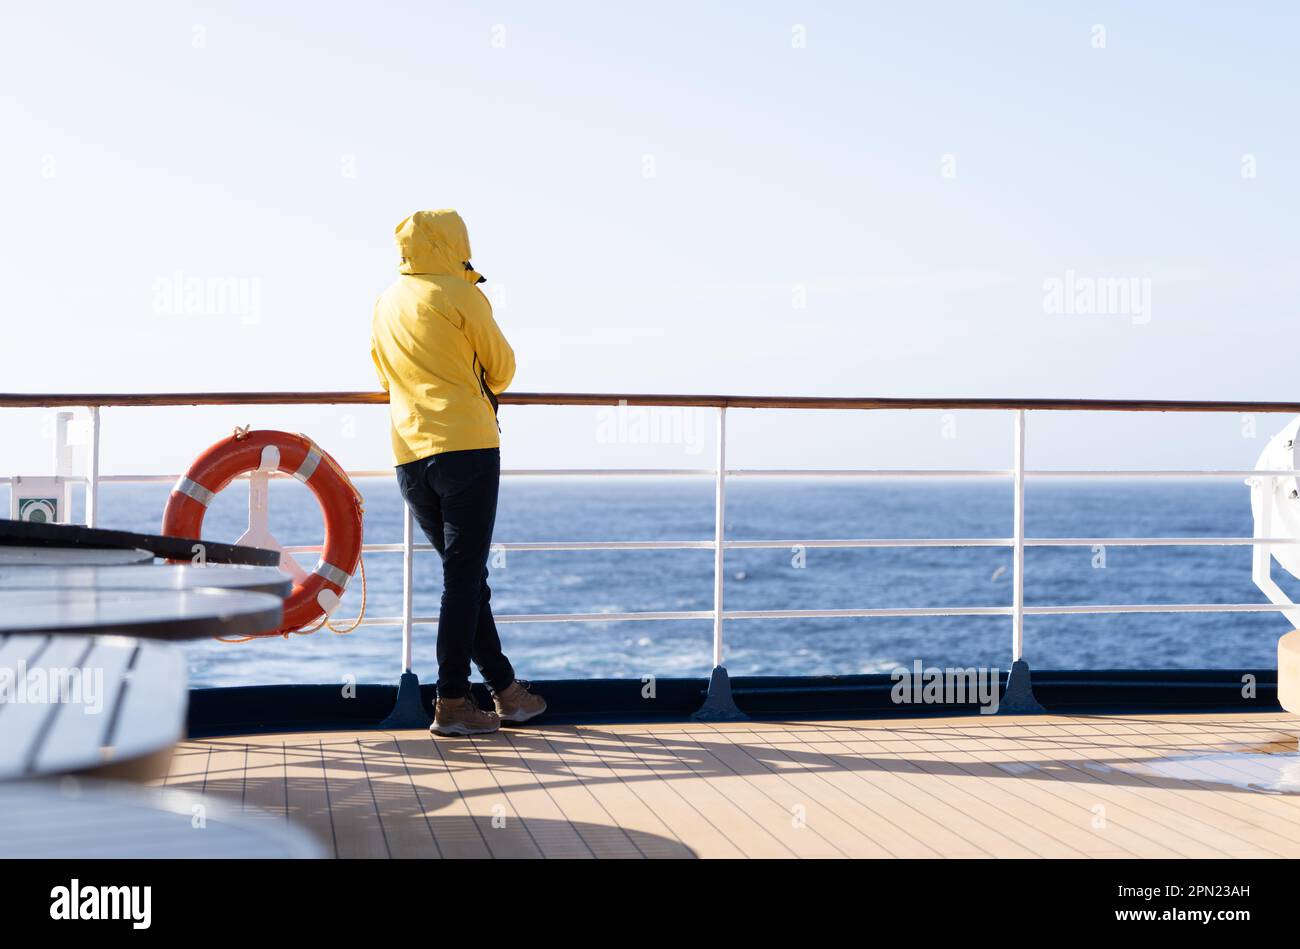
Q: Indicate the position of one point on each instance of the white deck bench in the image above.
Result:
(119, 707)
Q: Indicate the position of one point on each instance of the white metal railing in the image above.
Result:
(718, 615)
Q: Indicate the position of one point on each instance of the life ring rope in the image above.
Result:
(323, 622)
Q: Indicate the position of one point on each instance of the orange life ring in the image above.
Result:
(296, 455)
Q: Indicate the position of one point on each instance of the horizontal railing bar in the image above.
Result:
(884, 612)
(1166, 473)
(1006, 610)
(1157, 541)
(1000, 473)
(171, 479)
(389, 473)
(556, 617)
(605, 545)
(536, 546)
(50, 400)
(763, 473)
(868, 473)
(871, 542)
(588, 472)
(1160, 608)
(673, 615)
(1007, 542)
(825, 543)
(898, 612)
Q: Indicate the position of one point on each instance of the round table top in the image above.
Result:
(17, 556)
(148, 577)
(149, 614)
(32, 534)
(75, 818)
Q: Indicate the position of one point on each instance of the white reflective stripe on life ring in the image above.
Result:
(308, 466)
(192, 489)
(333, 574)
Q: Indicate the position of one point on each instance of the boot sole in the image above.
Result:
(459, 731)
(523, 717)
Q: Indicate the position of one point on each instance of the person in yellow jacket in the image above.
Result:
(442, 359)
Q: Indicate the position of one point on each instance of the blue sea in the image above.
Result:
(544, 509)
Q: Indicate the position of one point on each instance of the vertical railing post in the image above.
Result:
(719, 536)
(1018, 550)
(408, 709)
(408, 588)
(718, 703)
(1019, 694)
(92, 482)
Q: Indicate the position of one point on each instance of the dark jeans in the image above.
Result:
(453, 496)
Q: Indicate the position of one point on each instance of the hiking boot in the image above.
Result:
(462, 717)
(516, 704)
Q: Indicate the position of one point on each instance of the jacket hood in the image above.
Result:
(435, 242)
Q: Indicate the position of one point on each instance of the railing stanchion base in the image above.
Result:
(718, 705)
(408, 711)
(1018, 699)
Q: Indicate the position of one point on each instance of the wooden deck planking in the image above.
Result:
(893, 790)
(645, 830)
(265, 785)
(1075, 772)
(600, 833)
(1030, 806)
(1143, 807)
(1066, 812)
(1128, 800)
(1248, 812)
(306, 800)
(737, 809)
(1075, 810)
(818, 805)
(401, 813)
(987, 830)
(993, 829)
(613, 764)
(189, 765)
(547, 827)
(354, 813)
(775, 801)
(455, 832)
(490, 808)
(1032, 786)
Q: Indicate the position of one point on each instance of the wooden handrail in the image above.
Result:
(40, 400)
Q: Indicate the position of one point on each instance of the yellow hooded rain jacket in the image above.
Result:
(438, 352)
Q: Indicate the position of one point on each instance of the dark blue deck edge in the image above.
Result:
(274, 708)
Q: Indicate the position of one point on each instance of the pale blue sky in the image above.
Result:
(279, 144)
